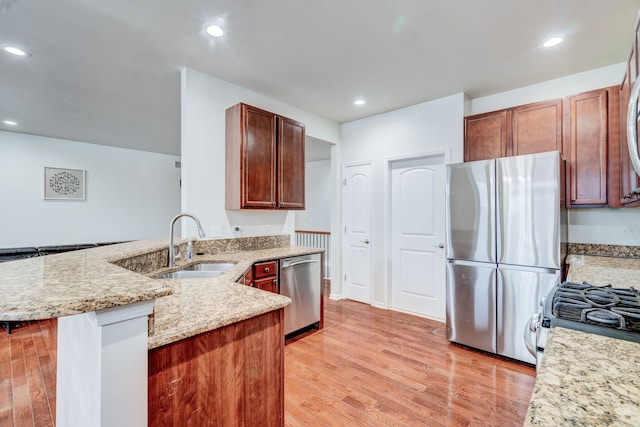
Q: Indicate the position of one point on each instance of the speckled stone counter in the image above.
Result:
(200, 305)
(601, 270)
(586, 380)
(71, 283)
(109, 276)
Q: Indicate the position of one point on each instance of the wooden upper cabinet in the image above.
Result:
(486, 135)
(291, 164)
(264, 160)
(537, 128)
(587, 133)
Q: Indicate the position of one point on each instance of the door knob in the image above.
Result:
(365, 241)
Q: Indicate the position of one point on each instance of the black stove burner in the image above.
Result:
(604, 306)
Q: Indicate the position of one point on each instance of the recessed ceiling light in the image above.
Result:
(359, 102)
(553, 41)
(10, 122)
(15, 51)
(215, 31)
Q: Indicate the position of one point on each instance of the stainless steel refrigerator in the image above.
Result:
(506, 244)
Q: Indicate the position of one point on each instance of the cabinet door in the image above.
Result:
(537, 128)
(588, 144)
(258, 163)
(269, 284)
(291, 162)
(486, 135)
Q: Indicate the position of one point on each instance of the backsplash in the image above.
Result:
(241, 244)
(619, 251)
(151, 261)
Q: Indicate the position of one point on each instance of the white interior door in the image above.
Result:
(357, 232)
(418, 283)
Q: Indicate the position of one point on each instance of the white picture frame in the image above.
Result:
(64, 184)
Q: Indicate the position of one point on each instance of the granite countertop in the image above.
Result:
(587, 379)
(602, 270)
(109, 276)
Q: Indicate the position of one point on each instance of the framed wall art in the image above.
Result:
(64, 184)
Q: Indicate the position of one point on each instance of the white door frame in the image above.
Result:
(446, 152)
(342, 226)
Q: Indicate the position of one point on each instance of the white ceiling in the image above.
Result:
(108, 72)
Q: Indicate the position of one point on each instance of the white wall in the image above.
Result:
(318, 186)
(129, 194)
(557, 88)
(204, 101)
(426, 127)
(600, 226)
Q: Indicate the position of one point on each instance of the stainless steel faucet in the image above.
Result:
(172, 254)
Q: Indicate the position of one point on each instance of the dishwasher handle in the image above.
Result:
(293, 264)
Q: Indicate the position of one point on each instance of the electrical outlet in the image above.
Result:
(216, 231)
(632, 230)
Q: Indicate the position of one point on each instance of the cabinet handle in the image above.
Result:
(266, 269)
(573, 200)
(273, 203)
(281, 204)
(275, 281)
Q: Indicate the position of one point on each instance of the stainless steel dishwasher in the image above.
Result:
(300, 280)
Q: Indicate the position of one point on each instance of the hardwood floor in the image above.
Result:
(372, 367)
(28, 375)
(367, 367)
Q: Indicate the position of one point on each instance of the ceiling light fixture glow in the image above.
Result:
(10, 122)
(553, 41)
(359, 102)
(15, 51)
(215, 31)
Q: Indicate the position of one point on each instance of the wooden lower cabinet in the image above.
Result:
(265, 276)
(231, 376)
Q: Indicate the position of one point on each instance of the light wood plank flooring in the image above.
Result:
(368, 367)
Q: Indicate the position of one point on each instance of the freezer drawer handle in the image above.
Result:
(307, 261)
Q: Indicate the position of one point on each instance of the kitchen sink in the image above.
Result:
(210, 266)
(199, 271)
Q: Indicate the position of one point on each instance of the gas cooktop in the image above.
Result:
(603, 310)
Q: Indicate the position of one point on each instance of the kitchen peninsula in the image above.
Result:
(230, 335)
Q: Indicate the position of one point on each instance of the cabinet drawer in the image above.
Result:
(265, 269)
(269, 284)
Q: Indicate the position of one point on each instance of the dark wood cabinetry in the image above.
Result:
(262, 275)
(486, 135)
(526, 129)
(584, 128)
(264, 160)
(265, 276)
(230, 376)
(588, 141)
(537, 128)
